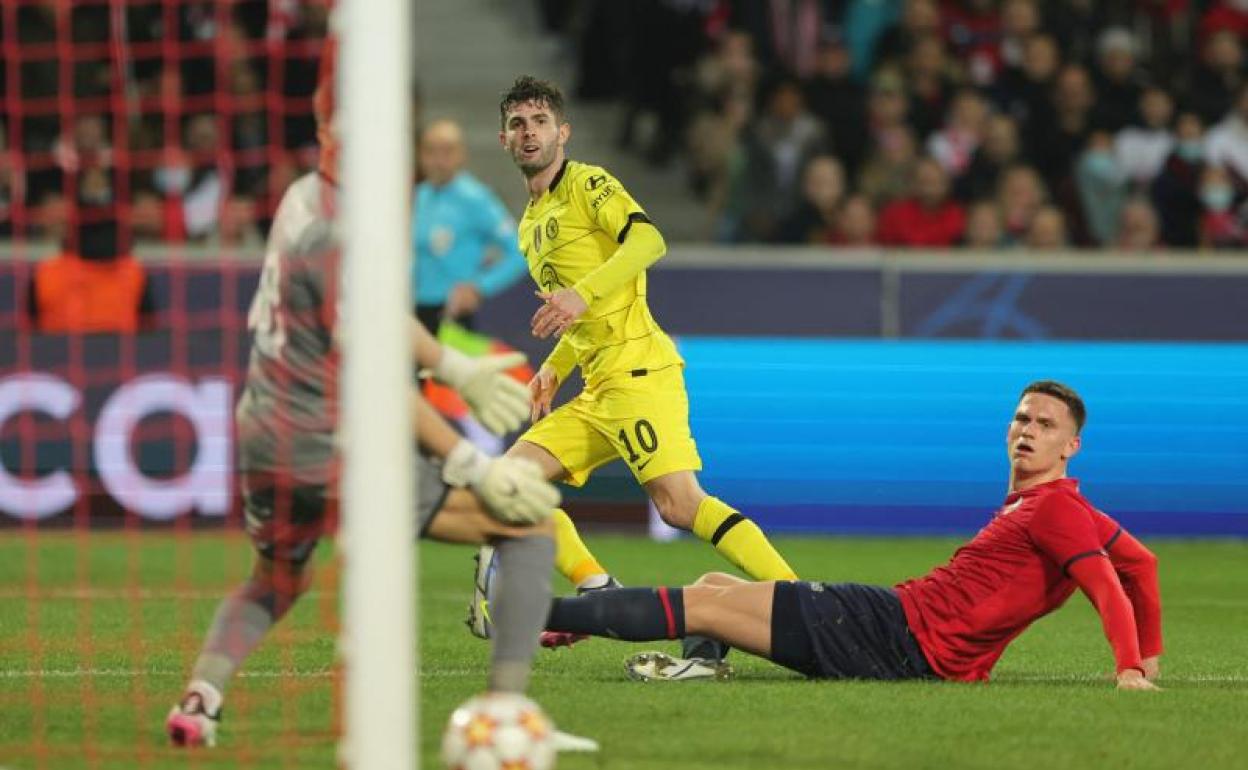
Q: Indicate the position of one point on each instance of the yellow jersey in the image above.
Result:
(571, 230)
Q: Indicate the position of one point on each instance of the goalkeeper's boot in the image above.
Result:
(660, 667)
(553, 639)
(569, 742)
(193, 722)
(478, 621)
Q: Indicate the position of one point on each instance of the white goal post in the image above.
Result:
(378, 640)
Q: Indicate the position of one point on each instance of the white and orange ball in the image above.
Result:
(499, 731)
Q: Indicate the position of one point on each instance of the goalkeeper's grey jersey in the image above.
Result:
(288, 412)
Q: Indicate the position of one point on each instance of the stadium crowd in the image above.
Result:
(928, 123)
(936, 123)
(184, 119)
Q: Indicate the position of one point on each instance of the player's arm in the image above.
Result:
(497, 401)
(1095, 576)
(552, 373)
(512, 489)
(1137, 571)
(641, 245)
(1066, 533)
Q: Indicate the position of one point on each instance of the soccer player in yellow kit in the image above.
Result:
(588, 244)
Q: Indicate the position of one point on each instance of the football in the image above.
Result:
(496, 731)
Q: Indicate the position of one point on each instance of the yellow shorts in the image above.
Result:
(642, 420)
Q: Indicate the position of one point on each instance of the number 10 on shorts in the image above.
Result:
(646, 440)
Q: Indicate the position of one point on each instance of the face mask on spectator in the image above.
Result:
(1217, 198)
(1101, 163)
(1190, 151)
(172, 180)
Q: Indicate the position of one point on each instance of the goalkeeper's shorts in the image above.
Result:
(286, 517)
(642, 418)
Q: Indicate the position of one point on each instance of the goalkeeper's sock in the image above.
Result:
(242, 620)
(518, 609)
(572, 558)
(740, 541)
(630, 614)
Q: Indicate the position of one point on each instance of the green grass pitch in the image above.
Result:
(90, 667)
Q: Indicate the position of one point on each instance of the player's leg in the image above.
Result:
(285, 522)
(520, 591)
(735, 612)
(647, 419)
(683, 504)
(567, 448)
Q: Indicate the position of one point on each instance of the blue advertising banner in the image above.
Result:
(821, 436)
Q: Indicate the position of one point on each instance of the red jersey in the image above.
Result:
(1017, 569)
(909, 223)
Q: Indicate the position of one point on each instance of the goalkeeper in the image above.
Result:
(287, 420)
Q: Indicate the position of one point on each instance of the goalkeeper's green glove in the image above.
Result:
(512, 488)
(499, 402)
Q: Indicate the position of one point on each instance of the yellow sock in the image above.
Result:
(740, 541)
(572, 558)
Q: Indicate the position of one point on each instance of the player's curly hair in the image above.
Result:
(529, 89)
(1063, 393)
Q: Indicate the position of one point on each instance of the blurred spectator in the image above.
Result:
(1020, 20)
(93, 284)
(731, 69)
(714, 145)
(463, 239)
(1176, 190)
(723, 93)
(1217, 77)
(1138, 229)
(1019, 196)
(931, 84)
(840, 102)
(974, 31)
(1102, 185)
(930, 218)
(787, 30)
(887, 107)
(1225, 15)
(886, 175)
(954, 145)
(12, 185)
(984, 228)
(1024, 91)
(1222, 223)
(1078, 23)
(1117, 79)
(855, 223)
(190, 176)
(1142, 148)
(1055, 139)
(864, 22)
(665, 43)
(1227, 142)
(1047, 230)
(776, 148)
(823, 188)
(919, 19)
(998, 151)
